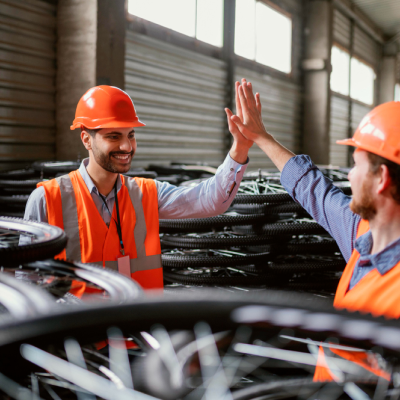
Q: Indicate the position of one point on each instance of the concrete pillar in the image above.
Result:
(317, 70)
(388, 79)
(388, 73)
(90, 52)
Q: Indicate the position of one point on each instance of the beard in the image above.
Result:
(365, 207)
(106, 162)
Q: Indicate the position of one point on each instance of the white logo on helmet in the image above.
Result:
(370, 129)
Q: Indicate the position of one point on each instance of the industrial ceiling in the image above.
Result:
(384, 13)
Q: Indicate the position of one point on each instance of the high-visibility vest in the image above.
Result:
(374, 293)
(367, 360)
(70, 207)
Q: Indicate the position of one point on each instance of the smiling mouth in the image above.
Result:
(122, 157)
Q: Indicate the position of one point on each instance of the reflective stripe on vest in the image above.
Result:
(374, 293)
(143, 264)
(70, 218)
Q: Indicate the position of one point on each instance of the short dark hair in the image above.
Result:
(91, 132)
(376, 161)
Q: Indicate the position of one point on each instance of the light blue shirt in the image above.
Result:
(210, 198)
(329, 206)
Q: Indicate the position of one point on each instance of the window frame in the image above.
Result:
(348, 97)
(265, 69)
(162, 33)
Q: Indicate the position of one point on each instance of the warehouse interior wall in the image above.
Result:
(53, 51)
(27, 82)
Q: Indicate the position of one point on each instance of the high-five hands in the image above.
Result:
(248, 122)
(248, 119)
(233, 128)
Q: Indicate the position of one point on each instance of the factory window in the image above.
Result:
(362, 82)
(362, 76)
(340, 60)
(397, 92)
(263, 34)
(202, 19)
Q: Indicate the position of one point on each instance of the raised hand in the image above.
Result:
(233, 129)
(249, 120)
(249, 123)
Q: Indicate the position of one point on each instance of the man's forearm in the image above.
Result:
(278, 154)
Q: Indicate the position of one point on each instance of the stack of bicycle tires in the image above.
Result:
(265, 240)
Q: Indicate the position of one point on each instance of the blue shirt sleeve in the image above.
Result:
(327, 204)
(210, 198)
(36, 209)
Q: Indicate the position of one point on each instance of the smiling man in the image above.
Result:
(113, 220)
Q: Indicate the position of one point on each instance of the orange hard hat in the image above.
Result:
(105, 107)
(379, 132)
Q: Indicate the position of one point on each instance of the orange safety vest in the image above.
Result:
(374, 293)
(70, 207)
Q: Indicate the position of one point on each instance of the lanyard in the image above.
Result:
(118, 222)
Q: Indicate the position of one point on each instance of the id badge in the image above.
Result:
(124, 266)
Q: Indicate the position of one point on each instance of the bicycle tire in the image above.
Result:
(51, 240)
(285, 208)
(304, 315)
(17, 199)
(277, 267)
(178, 261)
(281, 228)
(54, 167)
(119, 288)
(215, 242)
(174, 277)
(262, 198)
(18, 174)
(23, 300)
(12, 213)
(22, 184)
(206, 224)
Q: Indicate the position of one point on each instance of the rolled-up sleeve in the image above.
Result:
(326, 203)
(209, 198)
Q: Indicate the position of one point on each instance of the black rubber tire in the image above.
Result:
(12, 213)
(120, 289)
(268, 317)
(17, 199)
(55, 167)
(269, 209)
(18, 174)
(178, 261)
(290, 265)
(29, 184)
(202, 280)
(23, 300)
(207, 224)
(215, 242)
(262, 198)
(282, 228)
(141, 174)
(275, 197)
(51, 241)
(307, 245)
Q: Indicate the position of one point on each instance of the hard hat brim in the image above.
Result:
(347, 142)
(111, 124)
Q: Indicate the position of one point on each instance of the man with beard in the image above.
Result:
(112, 220)
(367, 226)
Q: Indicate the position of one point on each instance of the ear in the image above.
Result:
(384, 180)
(86, 139)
